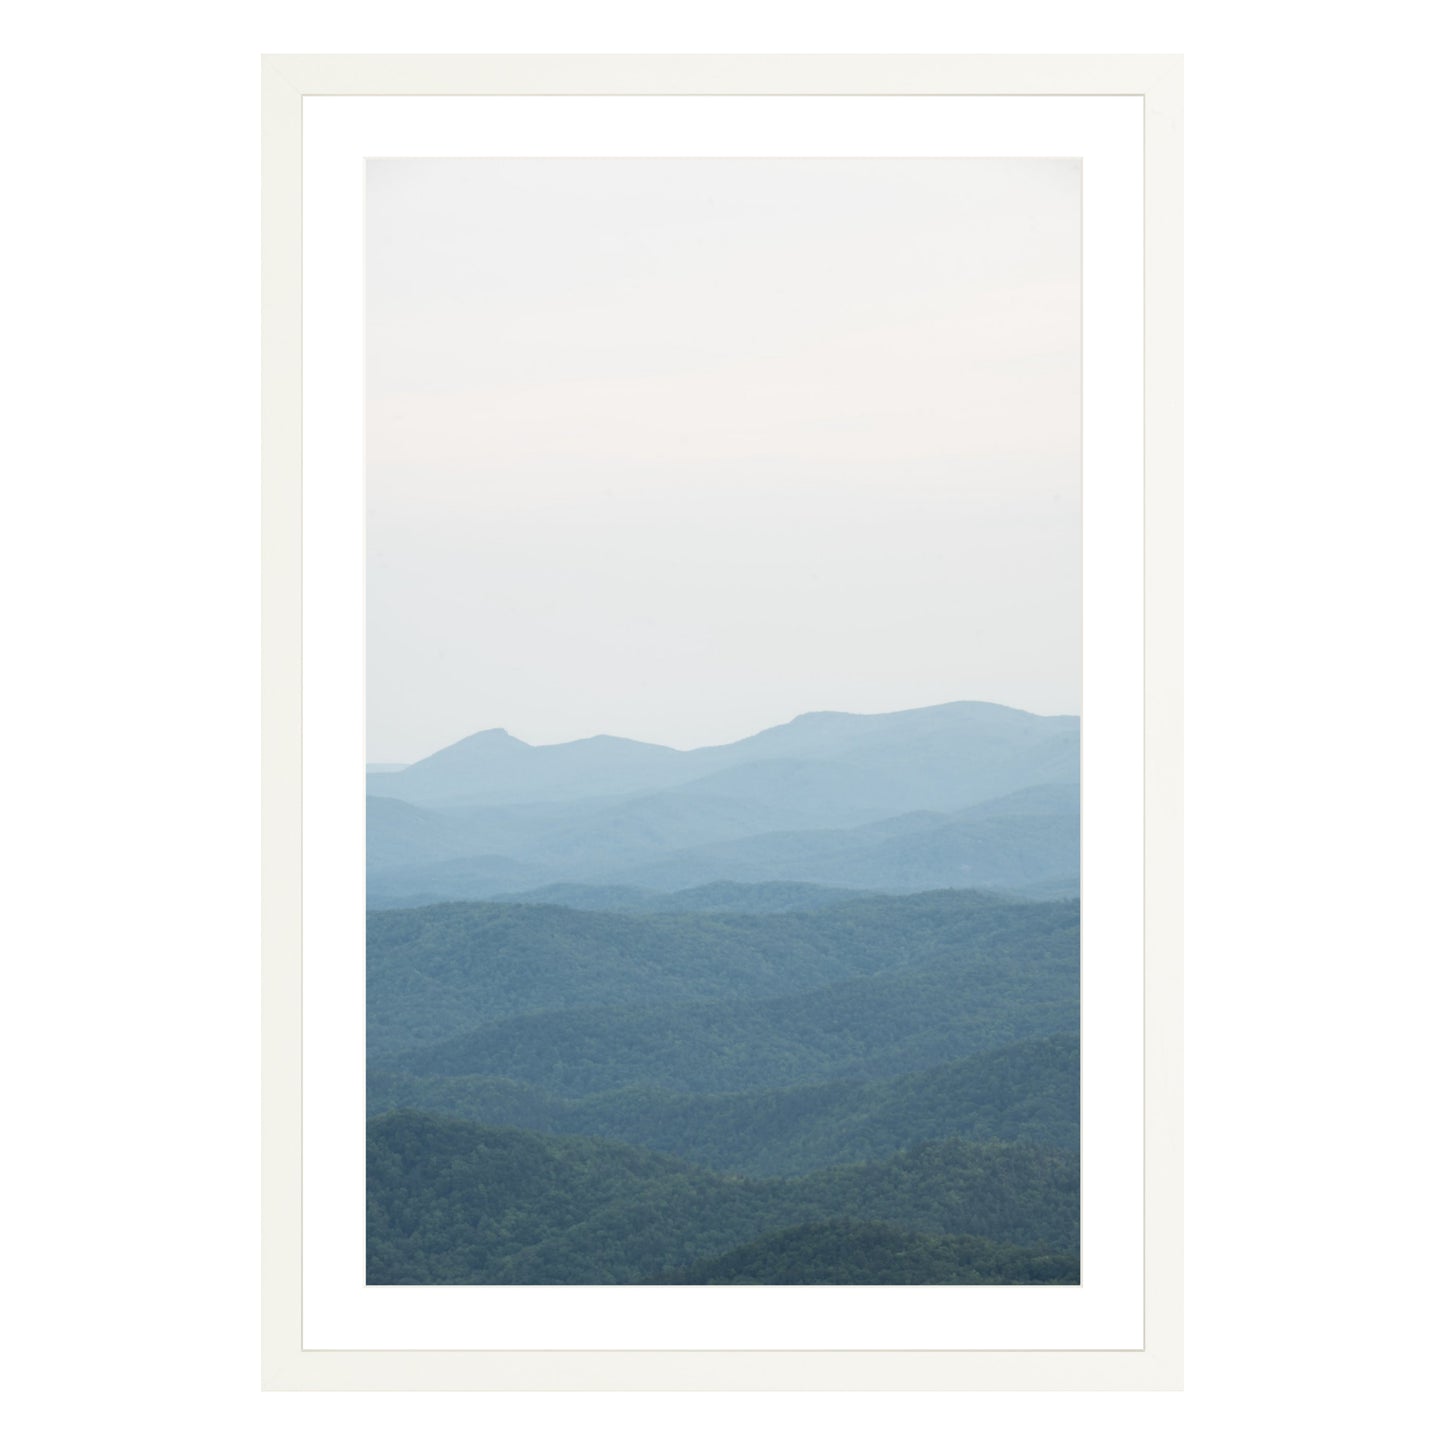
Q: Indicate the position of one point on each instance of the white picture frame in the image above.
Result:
(287, 1364)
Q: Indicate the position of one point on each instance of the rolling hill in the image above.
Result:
(451, 1202)
(552, 979)
(1025, 1091)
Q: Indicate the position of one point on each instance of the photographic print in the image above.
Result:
(723, 678)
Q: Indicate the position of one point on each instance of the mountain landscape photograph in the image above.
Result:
(723, 728)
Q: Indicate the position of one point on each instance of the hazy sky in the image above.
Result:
(678, 449)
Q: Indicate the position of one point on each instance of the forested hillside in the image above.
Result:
(1026, 1091)
(435, 973)
(842, 1252)
(904, 1067)
(452, 1202)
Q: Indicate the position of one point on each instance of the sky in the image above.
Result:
(679, 449)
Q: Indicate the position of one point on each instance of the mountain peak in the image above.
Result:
(486, 741)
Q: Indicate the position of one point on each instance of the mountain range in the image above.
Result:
(561, 1094)
(801, 1009)
(964, 794)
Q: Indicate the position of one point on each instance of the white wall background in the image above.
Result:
(130, 584)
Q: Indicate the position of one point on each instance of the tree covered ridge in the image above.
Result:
(1027, 1090)
(581, 1003)
(844, 1251)
(432, 972)
(451, 1202)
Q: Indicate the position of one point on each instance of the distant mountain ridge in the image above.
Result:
(494, 767)
(964, 794)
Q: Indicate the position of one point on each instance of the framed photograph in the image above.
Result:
(722, 709)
